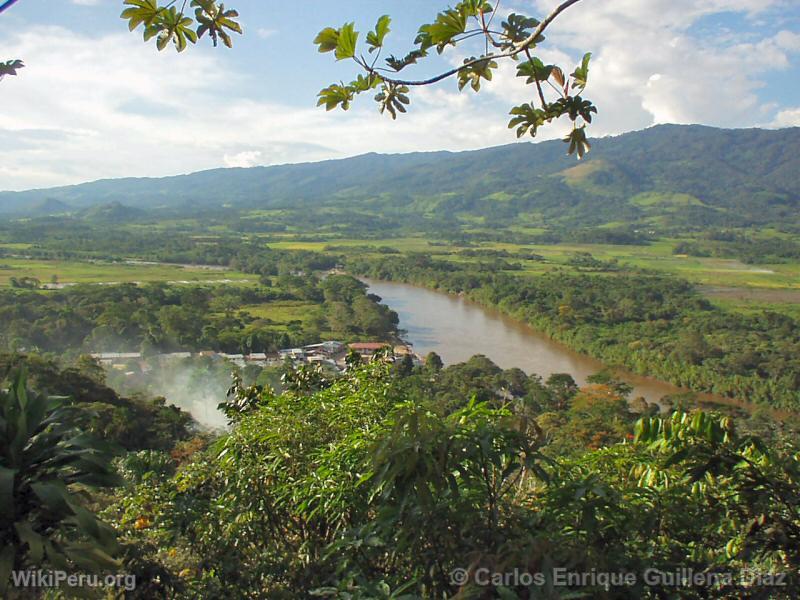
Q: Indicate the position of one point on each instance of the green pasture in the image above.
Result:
(753, 306)
(657, 256)
(404, 244)
(283, 312)
(106, 272)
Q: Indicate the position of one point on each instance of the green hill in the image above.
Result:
(668, 176)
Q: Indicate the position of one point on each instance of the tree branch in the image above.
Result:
(7, 4)
(542, 99)
(521, 47)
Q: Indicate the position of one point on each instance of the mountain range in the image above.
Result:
(667, 175)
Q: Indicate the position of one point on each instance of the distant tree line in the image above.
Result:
(159, 317)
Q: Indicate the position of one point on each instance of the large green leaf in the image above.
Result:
(47, 465)
(472, 75)
(393, 99)
(327, 39)
(335, 95)
(375, 38)
(54, 496)
(527, 119)
(7, 491)
(534, 70)
(142, 12)
(177, 28)
(517, 28)
(346, 42)
(441, 32)
(10, 67)
(34, 541)
(581, 74)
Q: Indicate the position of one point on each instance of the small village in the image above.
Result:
(329, 354)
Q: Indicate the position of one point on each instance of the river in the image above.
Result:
(457, 329)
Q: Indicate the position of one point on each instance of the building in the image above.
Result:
(368, 349)
(108, 358)
(236, 359)
(293, 354)
(329, 349)
(257, 358)
(401, 351)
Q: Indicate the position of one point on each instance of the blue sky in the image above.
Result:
(95, 102)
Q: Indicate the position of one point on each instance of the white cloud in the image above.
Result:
(787, 118)
(90, 108)
(244, 159)
(649, 67)
(265, 33)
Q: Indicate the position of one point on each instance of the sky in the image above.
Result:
(95, 102)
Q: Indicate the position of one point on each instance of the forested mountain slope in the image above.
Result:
(669, 175)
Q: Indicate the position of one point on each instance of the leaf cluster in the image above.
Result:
(167, 24)
(454, 27)
(10, 67)
(527, 117)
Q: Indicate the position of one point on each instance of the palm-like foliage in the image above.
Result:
(46, 467)
(757, 486)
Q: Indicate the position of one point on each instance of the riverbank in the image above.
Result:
(457, 328)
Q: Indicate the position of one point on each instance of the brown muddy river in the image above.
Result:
(457, 329)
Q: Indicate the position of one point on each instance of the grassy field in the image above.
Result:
(755, 306)
(407, 244)
(657, 256)
(706, 271)
(284, 312)
(100, 272)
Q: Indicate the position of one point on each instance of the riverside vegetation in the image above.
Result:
(648, 323)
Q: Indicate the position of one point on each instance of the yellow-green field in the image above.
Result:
(102, 272)
(407, 244)
(657, 256)
(754, 306)
(283, 312)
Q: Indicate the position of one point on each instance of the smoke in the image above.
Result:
(194, 388)
(195, 384)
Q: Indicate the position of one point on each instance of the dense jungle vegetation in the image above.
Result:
(160, 317)
(133, 423)
(397, 483)
(386, 481)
